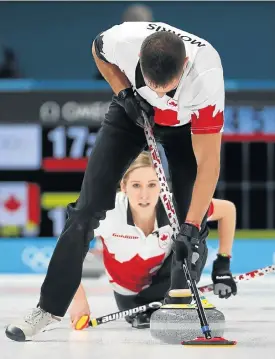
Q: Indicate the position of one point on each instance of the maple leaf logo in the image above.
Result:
(252, 274)
(12, 204)
(132, 274)
(204, 120)
(172, 103)
(164, 237)
(164, 240)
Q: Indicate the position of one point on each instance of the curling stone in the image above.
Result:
(173, 323)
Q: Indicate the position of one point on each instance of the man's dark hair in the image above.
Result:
(161, 57)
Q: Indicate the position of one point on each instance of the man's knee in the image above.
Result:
(83, 222)
(86, 214)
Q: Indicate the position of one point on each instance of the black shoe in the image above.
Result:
(141, 321)
(138, 320)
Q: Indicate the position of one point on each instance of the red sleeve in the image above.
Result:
(210, 210)
(207, 110)
(207, 120)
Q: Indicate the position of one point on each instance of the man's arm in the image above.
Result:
(111, 72)
(105, 50)
(207, 149)
(207, 121)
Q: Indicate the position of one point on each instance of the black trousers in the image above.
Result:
(118, 143)
(161, 282)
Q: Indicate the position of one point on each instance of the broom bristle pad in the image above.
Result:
(172, 326)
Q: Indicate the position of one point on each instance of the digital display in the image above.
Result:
(67, 148)
(20, 147)
(249, 123)
(34, 194)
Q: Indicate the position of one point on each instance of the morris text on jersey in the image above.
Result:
(183, 37)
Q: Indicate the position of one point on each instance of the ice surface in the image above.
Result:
(250, 320)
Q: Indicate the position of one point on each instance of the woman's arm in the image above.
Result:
(79, 306)
(80, 293)
(225, 213)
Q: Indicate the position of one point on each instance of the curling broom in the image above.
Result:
(86, 321)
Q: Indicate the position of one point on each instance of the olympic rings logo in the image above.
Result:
(37, 258)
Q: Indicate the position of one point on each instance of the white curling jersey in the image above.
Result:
(130, 257)
(199, 97)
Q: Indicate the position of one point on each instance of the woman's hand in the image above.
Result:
(79, 307)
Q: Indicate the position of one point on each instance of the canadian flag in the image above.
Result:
(20, 205)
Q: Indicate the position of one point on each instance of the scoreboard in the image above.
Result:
(67, 148)
(57, 173)
(65, 156)
(46, 138)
